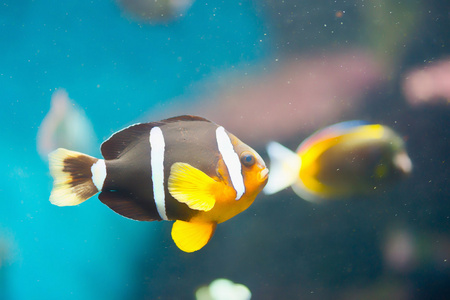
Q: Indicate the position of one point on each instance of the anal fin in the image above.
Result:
(192, 236)
(128, 207)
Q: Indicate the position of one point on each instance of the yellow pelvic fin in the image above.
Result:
(191, 186)
(192, 236)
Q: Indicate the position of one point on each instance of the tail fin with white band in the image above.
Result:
(77, 176)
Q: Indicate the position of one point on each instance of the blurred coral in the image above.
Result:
(296, 97)
(223, 289)
(399, 251)
(428, 84)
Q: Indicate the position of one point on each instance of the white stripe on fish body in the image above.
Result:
(98, 171)
(231, 160)
(157, 149)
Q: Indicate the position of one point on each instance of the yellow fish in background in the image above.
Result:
(343, 160)
(186, 169)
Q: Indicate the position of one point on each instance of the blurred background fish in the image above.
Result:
(65, 126)
(155, 11)
(343, 160)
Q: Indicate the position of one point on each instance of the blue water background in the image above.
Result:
(116, 69)
(119, 70)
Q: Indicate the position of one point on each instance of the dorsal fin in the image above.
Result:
(115, 146)
(185, 118)
(330, 132)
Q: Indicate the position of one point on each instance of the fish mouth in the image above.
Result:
(263, 175)
(403, 163)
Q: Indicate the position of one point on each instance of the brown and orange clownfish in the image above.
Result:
(185, 168)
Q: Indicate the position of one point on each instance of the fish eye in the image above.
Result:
(247, 159)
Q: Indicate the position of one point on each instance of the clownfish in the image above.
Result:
(186, 169)
(344, 160)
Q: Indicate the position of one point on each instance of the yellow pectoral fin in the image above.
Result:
(192, 236)
(191, 186)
